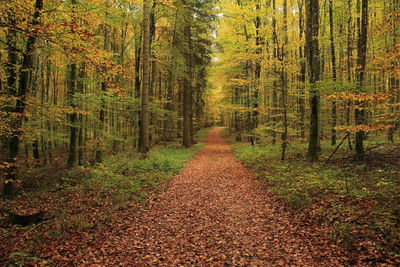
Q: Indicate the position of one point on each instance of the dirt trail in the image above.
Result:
(215, 213)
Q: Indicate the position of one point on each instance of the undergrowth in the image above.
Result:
(88, 198)
(359, 201)
(128, 177)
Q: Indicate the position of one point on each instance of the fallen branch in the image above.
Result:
(38, 225)
(334, 151)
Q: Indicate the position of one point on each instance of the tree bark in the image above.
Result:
(349, 55)
(187, 88)
(333, 59)
(257, 76)
(21, 94)
(284, 80)
(73, 117)
(145, 142)
(138, 52)
(313, 58)
(360, 116)
(302, 75)
(274, 87)
(102, 113)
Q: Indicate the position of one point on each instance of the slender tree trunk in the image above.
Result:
(257, 76)
(153, 69)
(35, 83)
(169, 131)
(81, 89)
(313, 58)
(237, 117)
(21, 94)
(284, 80)
(274, 89)
(73, 117)
(138, 52)
(35, 150)
(191, 113)
(302, 75)
(167, 136)
(349, 65)
(393, 81)
(186, 112)
(187, 89)
(360, 116)
(102, 113)
(145, 145)
(333, 58)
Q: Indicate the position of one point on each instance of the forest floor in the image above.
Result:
(214, 212)
(358, 201)
(129, 211)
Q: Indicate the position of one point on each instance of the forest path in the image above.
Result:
(215, 213)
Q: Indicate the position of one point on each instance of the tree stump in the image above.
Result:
(26, 217)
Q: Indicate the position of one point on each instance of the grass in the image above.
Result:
(128, 177)
(359, 201)
(202, 133)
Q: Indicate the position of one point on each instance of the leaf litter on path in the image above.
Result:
(214, 213)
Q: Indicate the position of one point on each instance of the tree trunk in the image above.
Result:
(274, 86)
(187, 89)
(302, 76)
(360, 116)
(81, 89)
(313, 58)
(333, 58)
(100, 144)
(284, 80)
(145, 143)
(257, 76)
(73, 117)
(138, 52)
(186, 112)
(349, 55)
(21, 94)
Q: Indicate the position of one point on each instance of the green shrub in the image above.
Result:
(126, 176)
